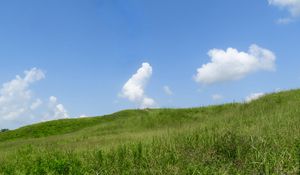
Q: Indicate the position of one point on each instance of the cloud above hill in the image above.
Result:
(217, 97)
(19, 106)
(134, 88)
(293, 6)
(56, 110)
(231, 64)
(254, 96)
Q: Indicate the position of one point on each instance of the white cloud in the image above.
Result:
(37, 103)
(293, 6)
(15, 97)
(217, 97)
(234, 65)
(168, 90)
(254, 96)
(18, 104)
(55, 110)
(147, 102)
(134, 88)
(83, 116)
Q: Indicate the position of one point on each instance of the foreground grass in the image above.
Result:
(262, 137)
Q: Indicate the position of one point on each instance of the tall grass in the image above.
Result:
(262, 137)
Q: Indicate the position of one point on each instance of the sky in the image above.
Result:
(78, 58)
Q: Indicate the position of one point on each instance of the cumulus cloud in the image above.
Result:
(217, 97)
(147, 102)
(18, 104)
(134, 88)
(254, 96)
(55, 110)
(231, 64)
(293, 6)
(168, 90)
(15, 97)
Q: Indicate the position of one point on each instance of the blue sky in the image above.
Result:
(86, 51)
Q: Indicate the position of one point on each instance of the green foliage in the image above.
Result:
(261, 137)
(4, 130)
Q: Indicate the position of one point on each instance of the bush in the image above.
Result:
(4, 130)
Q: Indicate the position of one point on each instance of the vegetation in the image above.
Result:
(261, 137)
(4, 130)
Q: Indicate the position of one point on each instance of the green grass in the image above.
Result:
(261, 137)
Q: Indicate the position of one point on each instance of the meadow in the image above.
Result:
(260, 137)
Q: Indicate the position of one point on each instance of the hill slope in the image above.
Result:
(261, 137)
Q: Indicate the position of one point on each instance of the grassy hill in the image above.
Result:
(261, 137)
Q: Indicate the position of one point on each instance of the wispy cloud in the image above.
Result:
(168, 90)
(82, 116)
(292, 6)
(285, 20)
(217, 97)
